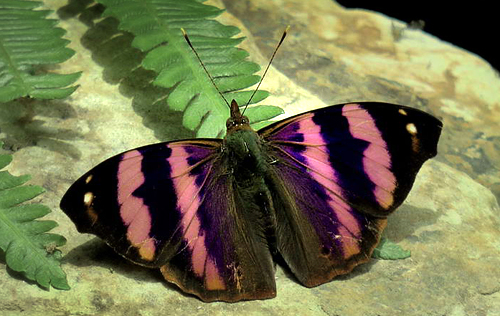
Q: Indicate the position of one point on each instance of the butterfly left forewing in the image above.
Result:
(130, 200)
(338, 172)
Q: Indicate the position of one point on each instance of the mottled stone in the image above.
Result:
(450, 221)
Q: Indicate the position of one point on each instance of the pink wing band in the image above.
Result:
(376, 161)
(188, 202)
(134, 213)
(349, 229)
(137, 217)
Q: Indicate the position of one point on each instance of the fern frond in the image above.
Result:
(28, 40)
(156, 27)
(28, 248)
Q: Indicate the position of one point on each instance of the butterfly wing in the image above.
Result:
(337, 173)
(174, 206)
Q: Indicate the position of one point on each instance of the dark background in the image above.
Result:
(473, 26)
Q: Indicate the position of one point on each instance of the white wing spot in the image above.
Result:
(402, 112)
(88, 179)
(88, 198)
(411, 128)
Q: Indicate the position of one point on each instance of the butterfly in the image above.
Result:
(314, 190)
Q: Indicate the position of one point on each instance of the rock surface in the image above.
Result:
(450, 221)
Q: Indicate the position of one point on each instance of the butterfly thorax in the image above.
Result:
(245, 152)
(243, 146)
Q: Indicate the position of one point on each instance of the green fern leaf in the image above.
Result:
(27, 245)
(156, 26)
(28, 40)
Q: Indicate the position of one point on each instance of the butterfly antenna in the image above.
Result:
(204, 68)
(267, 68)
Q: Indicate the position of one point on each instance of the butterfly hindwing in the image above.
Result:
(168, 206)
(239, 265)
(337, 173)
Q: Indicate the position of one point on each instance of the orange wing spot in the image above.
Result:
(213, 280)
(88, 198)
(92, 215)
(415, 142)
(350, 245)
(147, 250)
(384, 198)
(215, 283)
(88, 179)
(411, 128)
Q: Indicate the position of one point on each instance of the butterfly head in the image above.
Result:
(237, 121)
